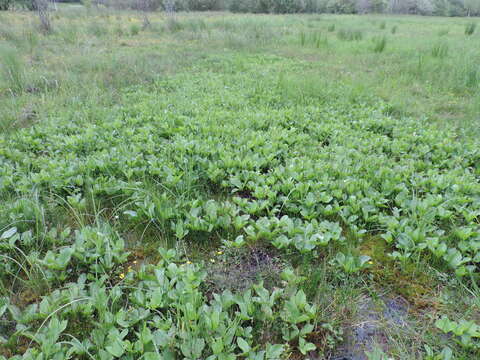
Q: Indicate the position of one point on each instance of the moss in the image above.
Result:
(415, 286)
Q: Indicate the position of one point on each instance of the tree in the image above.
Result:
(169, 6)
(378, 6)
(43, 11)
(425, 7)
(472, 7)
(363, 6)
(5, 4)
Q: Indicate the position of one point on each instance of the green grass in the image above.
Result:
(440, 50)
(379, 44)
(12, 69)
(470, 28)
(219, 186)
(350, 35)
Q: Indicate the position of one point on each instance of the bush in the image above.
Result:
(5, 4)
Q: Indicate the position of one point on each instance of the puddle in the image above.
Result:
(374, 319)
(240, 269)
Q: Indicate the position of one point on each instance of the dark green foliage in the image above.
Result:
(5, 4)
(268, 6)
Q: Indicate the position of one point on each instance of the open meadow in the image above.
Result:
(220, 186)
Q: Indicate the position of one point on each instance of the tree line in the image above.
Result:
(419, 7)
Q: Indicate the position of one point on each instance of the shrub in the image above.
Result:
(331, 28)
(5, 4)
(394, 29)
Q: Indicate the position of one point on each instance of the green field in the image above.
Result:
(219, 186)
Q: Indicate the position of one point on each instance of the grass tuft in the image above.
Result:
(379, 44)
(134, 29)
(440, 50)
(173, 25)
(350, 35)
(97, 29)
(443, 32)
(470, 28)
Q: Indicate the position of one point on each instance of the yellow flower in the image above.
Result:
(189, 262)
(135, 261)
(370, 262)
(212, 261)
(122, 276)
(219, 252)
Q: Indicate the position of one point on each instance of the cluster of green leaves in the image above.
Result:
(302, 173)
(155, 311)
(467, 332)
(234, 154)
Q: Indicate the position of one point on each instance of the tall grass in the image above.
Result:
(12, 69)
(440, 50)
(31, 39)
(69, 34)
(350, 35)
(97, 29)
(470, 28)
(471, 75)
(303, 38)
(134, 29)
(174, 25)
(379, 44)
(443, 32)
(315, 38)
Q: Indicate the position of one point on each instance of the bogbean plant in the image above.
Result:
(467, 333)
(153, 311)
(237, 155)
